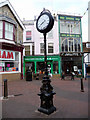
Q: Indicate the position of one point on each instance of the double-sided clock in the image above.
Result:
(45, 22)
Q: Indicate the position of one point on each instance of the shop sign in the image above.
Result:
(70, 35)
(7, 55)
(40, 59)
(71, 54)
(61, 17)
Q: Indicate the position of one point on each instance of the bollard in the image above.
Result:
(5, 89)
(82, 88)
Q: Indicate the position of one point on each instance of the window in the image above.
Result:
(28, 35)
(10, 65)
(8, 31)
(72, 27)
(87, 45)
(55, 67)
(33, 49)
(1, 29)
(41, 47)
(27, 50)
(70, 44)
(50, 47)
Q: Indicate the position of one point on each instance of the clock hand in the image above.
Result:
(42, 22)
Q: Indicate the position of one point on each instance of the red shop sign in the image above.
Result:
(7, 55)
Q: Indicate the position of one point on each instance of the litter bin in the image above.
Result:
(28, 75)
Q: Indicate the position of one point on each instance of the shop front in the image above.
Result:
(11, 61)
(36, 64)
(72, 62)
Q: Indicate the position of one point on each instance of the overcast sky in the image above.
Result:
(29, 8)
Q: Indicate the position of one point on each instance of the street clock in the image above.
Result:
(45, 22)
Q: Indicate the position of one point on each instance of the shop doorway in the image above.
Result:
(67, 67)
(29, 65)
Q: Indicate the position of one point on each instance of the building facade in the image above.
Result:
(64, 46)
(86, 49)
(34, 48)
(70, 44)
(11, 39)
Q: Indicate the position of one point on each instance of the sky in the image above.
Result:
(27, 9)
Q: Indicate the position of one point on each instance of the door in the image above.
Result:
(68, 66)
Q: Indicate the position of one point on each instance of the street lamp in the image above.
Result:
(44, 24)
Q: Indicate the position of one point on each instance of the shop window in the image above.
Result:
(27, 50)
(40, 67)
(8, 31)
(55, 67)
(30, 65)
(10, 65)
(88, 69)
(28, 35)
(50, 47)
(41, 47)
(1, 29)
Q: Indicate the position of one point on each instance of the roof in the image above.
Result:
(69, 14)
(3, 3)
(28, 22)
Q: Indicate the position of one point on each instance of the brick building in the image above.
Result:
(11, 39)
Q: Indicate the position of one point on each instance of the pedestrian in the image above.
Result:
(72, 75)
(63, 76)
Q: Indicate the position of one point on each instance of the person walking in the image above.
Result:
(72, 75)
(63, 76)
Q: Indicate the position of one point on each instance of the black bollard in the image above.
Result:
(82, 88)
(5, 89)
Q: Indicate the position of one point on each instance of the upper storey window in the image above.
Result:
(1, 29)
(8, 31)
(28, 35)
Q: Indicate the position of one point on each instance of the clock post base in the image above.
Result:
(46, 96)
(47, 111)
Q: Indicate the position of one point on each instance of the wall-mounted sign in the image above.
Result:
(7, 55)
(70, 35)
(71, 54)
(61, 17)
(41, 59)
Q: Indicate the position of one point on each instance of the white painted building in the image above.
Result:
(34, 47)
(87, 49)
(34, 40)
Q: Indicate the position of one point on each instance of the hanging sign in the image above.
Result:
(7, 55)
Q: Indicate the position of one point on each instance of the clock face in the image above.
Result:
(43, 22)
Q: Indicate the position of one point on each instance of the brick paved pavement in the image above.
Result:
(69, 101)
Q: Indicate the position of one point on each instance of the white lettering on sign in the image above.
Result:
(7, 55)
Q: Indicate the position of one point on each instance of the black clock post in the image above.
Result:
(46, 90)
